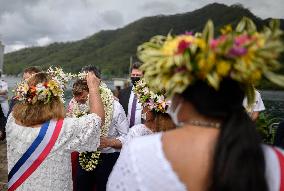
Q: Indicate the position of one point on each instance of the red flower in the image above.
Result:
(45, 84)
(182, 46)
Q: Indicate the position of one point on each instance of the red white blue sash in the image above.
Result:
(35, 154)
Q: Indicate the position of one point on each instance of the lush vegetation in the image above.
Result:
(266, 127)
(111, 50)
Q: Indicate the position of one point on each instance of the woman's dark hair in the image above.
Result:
(238, 160)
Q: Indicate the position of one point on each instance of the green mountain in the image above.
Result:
(110, 50)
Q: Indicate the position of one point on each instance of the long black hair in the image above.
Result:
(238, 160)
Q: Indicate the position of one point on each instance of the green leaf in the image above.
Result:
(246, 24)
(208, 31)
(275, 78)
(250, 94)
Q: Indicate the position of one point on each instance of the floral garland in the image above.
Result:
(77, 110)
(42, 92)
(60, 76)
(244, 55)
(154, 101)
(89, 160)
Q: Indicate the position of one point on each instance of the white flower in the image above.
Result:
(40, 87)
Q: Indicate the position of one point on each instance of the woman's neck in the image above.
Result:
(189, 116)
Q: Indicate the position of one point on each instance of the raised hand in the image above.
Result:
(92, 80)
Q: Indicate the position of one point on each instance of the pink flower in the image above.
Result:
(188, 33)
(237, 51)
(214, 43)
(241, 40)
(180, 69)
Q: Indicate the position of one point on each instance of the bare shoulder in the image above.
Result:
(190, 151)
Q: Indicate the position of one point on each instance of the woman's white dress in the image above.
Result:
(142, 166)
(54, 174)
(135, 131)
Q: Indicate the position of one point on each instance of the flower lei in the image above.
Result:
(89, 160)
(154, 101)
(244, 55)
(77, 110)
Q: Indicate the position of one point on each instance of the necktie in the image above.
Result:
(133, 110)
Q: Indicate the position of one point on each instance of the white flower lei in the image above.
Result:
(89, 160)
(78, 110)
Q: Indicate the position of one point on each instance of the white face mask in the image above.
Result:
(144, 116)
(174, 115)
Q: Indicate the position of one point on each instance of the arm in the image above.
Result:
(96, 104)
(110, 142)
(121, 125)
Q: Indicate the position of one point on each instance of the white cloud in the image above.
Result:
(14, 47)
(41, 22)
(43, 41)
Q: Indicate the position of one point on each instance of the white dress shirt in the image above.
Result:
(138, 110)
(4, 97)
(119, 126)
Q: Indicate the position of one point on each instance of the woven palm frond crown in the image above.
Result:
(172, 63)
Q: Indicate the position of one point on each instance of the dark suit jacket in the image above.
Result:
(279, 137)
(13, 102)
(2, 123)
(124, 96)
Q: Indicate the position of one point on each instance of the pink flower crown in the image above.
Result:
(149, 99)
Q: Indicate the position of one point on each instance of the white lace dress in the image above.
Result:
(142, 166)
(54, 174)
(135, 131)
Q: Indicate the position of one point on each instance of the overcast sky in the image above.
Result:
(25, 23)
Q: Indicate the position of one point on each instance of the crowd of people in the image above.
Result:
(187, 122)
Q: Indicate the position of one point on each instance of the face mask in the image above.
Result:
(144, 116)
(174, 115)
(134, 80)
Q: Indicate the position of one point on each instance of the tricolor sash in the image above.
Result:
(35, 154)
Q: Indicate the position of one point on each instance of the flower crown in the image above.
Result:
(245, 55)
(60, 76)
(41, 92)
(154, 101)
(44, 92)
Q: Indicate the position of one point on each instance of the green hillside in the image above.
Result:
(110, 50)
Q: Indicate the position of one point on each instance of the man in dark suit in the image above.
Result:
(2, 125)
(128, 99)
(279, 137)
